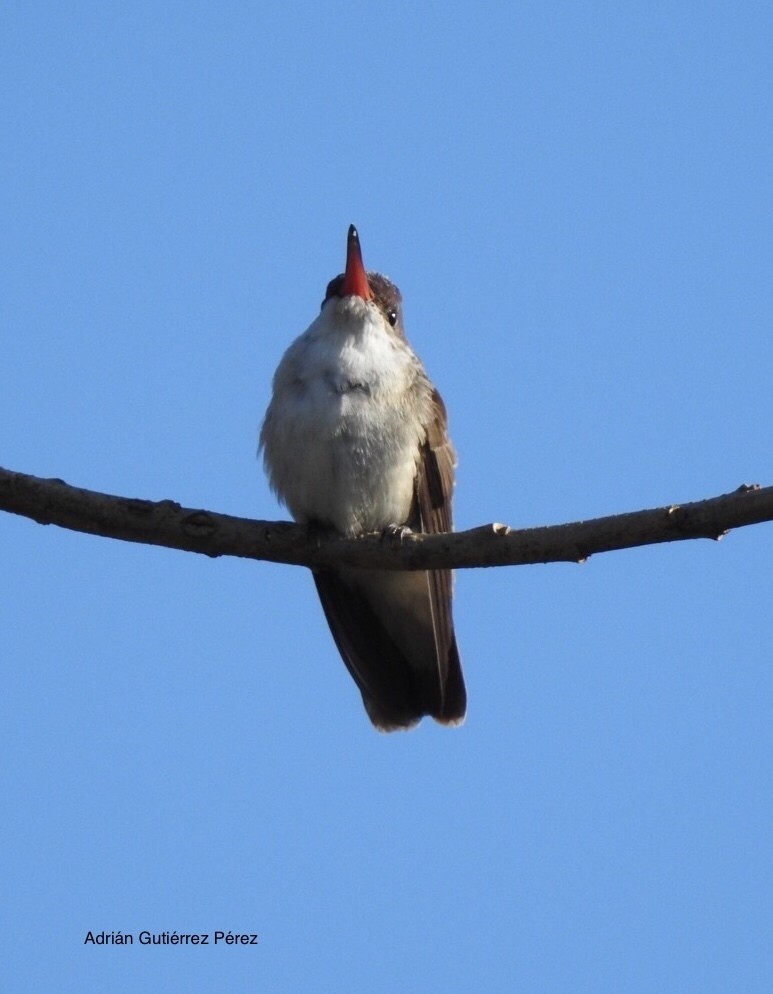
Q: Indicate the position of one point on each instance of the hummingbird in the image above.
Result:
(355, 440)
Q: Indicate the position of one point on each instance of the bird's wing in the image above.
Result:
(394, 629)
(434, 492)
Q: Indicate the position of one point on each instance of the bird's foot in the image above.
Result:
(395, 534)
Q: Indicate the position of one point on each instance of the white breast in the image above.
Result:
(342, 434)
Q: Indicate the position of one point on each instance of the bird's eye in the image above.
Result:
(392, 317)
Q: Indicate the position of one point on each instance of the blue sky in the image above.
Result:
(576, 202)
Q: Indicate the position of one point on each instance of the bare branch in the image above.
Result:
(165, 523)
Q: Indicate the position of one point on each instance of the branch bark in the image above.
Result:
(166, 523)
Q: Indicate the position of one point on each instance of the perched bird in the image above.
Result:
(355, 440)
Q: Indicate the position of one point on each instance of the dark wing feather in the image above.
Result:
(434, 490)
(394, 630)
(380, 623)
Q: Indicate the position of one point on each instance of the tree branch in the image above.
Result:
(165, 523)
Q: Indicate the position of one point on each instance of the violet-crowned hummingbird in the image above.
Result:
(355, 440)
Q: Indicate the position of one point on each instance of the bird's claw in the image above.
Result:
(395, 534)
